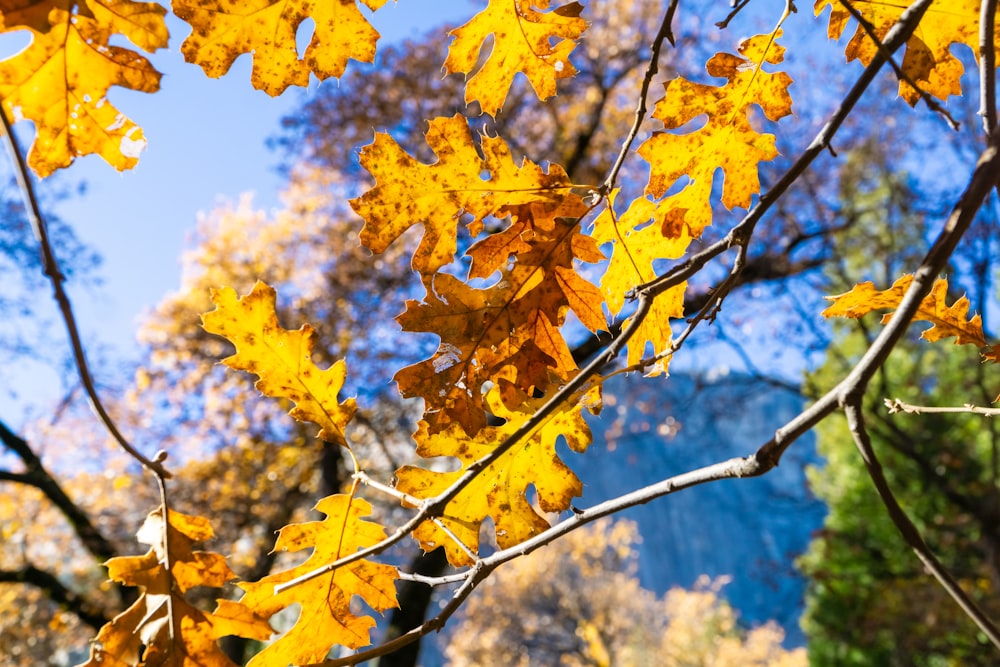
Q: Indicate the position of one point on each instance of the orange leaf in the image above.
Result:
(60, 82)
(507, 332)
(325, 618)
(726, 141)
(500, 491)
(225, 29)
(928, 59)
(408, 192)
(162, 627)
(522, 42)
(281, 358)
(947, 320)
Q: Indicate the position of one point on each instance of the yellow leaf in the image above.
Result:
(161, 627)
(928, 59)
(61, 80)
(637, 243)
(409, 193)
(281, 358)
(524, 40)
(947, 320)
(726, 141)
(499, 491)
(226, 29)
(325, 618)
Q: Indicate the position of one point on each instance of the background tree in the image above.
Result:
(869, 600)
(591, 610)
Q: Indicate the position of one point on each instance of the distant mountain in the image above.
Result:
(750, 529)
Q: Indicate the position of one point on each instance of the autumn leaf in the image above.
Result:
(461, 182)
(928, 59)
(636, 244)
(225, 29)
(526, 40)
(60, 82)
(162, 627)
(325, 619)
(727, 141)
(281, 358)
(509, 331)
(500, 490)
(948, 321)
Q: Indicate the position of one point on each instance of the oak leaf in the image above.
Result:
(928, 59)
(509, 331)
(162, 627)
(727, 141)
(281, 358)
(325, 619)
(225, 29)
(61, 80)
(526, 40)
(947, 321)
(500, 491)
(462, 182)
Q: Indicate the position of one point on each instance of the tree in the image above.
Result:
(592, 611)
(517, 260)
(865, 589)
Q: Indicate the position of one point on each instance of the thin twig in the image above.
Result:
(737, 6)
(928, 99)
(906, 527)
(640, 111)
(51, 268)
(896, 405)
(987, 66)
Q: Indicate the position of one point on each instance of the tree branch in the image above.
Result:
(56, 277)
(85, 610)
(910, 533)
(37, 476)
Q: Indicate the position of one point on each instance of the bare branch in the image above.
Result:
(910, 533)
(84, 609)
(37, 476)
(896, 405)
(640, 112)
(987, 66)
(56, 277)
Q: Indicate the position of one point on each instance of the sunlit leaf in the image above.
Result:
(225, 29)
(281, 358)
(325, 619)
(535, 43)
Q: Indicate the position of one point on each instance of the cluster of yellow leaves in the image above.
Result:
(506, 332)
(502, 349)
(162, 627)
(947, 321)
(928, 60)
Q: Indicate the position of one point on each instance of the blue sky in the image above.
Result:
(206, 143)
